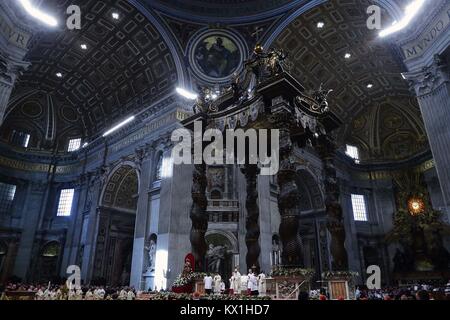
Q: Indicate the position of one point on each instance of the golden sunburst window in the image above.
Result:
(416, 206)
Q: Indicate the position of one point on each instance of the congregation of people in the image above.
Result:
(250, 285)
(62, 292)
(415, 292)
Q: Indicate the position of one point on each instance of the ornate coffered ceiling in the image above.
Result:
(131, 62)
(221, 9)
(384, 120)
(50, 118)
(121, 189)
(389, 130)
(127, 64)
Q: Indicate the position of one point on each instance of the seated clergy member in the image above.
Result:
(208, 281)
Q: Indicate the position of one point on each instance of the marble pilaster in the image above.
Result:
(432, 87)
(142, 216)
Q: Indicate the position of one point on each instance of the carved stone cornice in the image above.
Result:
(425, 81)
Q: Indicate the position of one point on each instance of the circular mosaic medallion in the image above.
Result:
(393, 121)
(32, 109)
(359, 123)
(69, 114)
(216, 55)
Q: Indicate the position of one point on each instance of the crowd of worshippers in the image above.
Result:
(62, 292)
(416, 292)
(250, 284)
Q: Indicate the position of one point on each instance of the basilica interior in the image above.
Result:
(91, 94)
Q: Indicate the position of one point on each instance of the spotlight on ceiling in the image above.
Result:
(403, 76)
(410, 12)
(348, 56)
(186, 94)
(83, 46)
(370, 86)
(59, 74)
(38, 14)
(115, 15)
(84, 145)
(320, 25)
(117, 127)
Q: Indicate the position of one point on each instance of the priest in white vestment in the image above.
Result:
(217, 284)
(123, 295)
(244, 283)
(131, 295)
(262, 288)
(237, 282)
(252, 284)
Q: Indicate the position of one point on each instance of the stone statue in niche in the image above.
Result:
(158, 171)
(151, 253)
(215, 257)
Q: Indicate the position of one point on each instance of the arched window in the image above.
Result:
(20, 139)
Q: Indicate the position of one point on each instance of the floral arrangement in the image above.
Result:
(234, 298)
(196, 296)
(292, 272)
(182, 281)
(198, 275)
(339, 274)
(170, 296)
(186, 279)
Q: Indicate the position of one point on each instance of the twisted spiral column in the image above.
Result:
(288, 201)
(199, 216)
(335, 218)
(252, 221)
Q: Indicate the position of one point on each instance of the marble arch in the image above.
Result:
(312, 188)
(119, 175)
(116, 220)
(228, 235)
